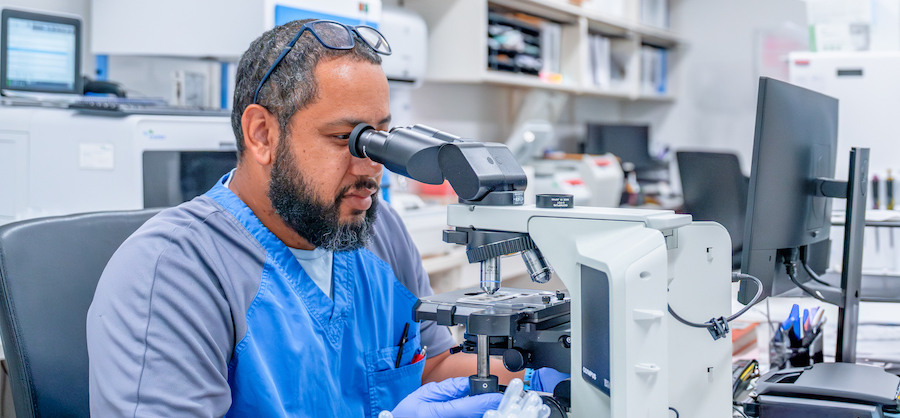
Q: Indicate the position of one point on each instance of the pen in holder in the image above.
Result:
(789, 351)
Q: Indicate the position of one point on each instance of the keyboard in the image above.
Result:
(121, 108)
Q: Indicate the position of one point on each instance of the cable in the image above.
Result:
(676, 412)
(738, 411)
(736, 277)
(792, 273)
(718, 327)
(813, 275)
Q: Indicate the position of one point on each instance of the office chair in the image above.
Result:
(714, 189)
(49, 269)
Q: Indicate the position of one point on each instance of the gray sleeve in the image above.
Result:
(160, 329)
(391, 242)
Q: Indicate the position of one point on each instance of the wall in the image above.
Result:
(79, 7)
(717, 74)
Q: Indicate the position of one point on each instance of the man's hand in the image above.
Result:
(446, 399)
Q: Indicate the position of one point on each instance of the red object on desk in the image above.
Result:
(743, 337)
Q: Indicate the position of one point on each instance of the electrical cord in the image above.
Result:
(792, 273)
(813, 275)
(735, 277)
(676, 412)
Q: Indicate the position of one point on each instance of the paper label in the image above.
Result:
(96, 156)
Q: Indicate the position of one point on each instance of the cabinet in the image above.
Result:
(458, 47)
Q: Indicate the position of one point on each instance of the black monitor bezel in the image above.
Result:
(6, 14)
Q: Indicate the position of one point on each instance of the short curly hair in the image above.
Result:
(293, 85)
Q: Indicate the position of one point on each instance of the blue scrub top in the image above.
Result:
(305, 354)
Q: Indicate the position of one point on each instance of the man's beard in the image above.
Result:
(295, 201)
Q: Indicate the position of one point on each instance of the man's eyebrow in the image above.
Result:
(354, 122)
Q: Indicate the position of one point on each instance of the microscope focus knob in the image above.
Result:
(516, 359)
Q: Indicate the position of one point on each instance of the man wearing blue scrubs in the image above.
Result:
(276, 293)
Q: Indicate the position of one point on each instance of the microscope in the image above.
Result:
(626, 272)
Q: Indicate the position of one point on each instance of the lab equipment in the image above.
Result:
(409, 42)
(889, 191)
(39, 53)
(518, 404)
(835, 390)
(57, 161)
(623, 270)
(789, 206)
(592, 180)
(445, 399)
(875, 202)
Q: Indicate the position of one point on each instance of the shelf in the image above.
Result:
(659, 37)
(521, 80)
(656, 97)
(617, 25)
(458, 45)
(598, 92)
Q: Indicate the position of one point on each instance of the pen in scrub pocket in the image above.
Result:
(402, 343)
(420, 355)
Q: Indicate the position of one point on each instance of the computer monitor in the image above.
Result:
(631, 143)
(790, 198)
(795, 144)
(39, 53)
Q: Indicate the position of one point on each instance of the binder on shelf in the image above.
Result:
(600, 60)
(653, 70)
(551, 42)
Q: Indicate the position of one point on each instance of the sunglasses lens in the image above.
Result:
(374, 39)
(333, 35)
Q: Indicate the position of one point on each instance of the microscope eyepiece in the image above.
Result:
(357, 149)
(480, 173)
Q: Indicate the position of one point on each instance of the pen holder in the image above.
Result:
(782, 354)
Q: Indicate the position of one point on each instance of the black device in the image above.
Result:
(481, 173)
(631, 143)
(715, 189)
(834, 390)
(40, 53)
(174, 177)
(789, 202)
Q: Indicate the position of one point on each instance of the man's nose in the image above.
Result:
(364, 167)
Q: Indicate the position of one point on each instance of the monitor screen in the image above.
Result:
(40, 53)
(631, 143)
(795, 144)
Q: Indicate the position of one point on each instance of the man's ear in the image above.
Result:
(261, 130)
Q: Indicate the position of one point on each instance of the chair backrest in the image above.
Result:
(714, 189)
(49, 269)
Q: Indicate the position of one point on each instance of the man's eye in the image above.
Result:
(343, 137)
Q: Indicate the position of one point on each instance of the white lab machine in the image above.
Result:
(56, 161)
(593, 180)
(626, 273)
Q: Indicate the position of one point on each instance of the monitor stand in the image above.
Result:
(854, 190)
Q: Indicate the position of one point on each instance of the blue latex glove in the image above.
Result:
(446, 399)
(546, 379)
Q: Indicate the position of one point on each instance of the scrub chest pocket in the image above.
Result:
(389, 385)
